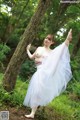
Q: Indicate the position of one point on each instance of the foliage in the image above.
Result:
(14, 21)
(4, 49)
(63, 107)
(58, 18)
(66, 108)
(15, 97)
(27, 69)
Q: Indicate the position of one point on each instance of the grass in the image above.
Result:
(16, 97)
(64, 107)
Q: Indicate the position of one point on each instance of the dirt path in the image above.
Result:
(16, 113)
(43, 113)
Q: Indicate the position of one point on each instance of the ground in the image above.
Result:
(17, 113)
(43, 113)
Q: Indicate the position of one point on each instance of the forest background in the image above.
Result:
(59, 17)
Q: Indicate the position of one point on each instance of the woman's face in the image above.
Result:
(48, 41)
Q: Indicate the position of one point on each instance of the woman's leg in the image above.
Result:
(33, 111)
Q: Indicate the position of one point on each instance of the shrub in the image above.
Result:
(27, 69)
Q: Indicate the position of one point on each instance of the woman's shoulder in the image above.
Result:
(40, 48)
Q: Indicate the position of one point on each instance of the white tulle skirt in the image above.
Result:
(50, 79)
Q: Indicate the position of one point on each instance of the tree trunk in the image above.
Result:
(19, 55)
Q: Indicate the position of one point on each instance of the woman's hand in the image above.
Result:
(31, 56)
(28, 47)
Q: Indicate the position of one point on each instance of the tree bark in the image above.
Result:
(19, 55)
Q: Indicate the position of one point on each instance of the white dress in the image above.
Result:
(50, 79)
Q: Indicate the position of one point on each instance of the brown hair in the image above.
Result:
(51, 37)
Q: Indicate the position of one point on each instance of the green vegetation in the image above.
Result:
(64, 107)
(15, 16)
(15, 97)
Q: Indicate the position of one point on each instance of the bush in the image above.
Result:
(4, 49)
(16, 97)
(27, 69)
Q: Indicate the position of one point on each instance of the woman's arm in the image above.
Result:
(31, 56)
(69, 37)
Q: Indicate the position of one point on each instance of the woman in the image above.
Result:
(52, 75)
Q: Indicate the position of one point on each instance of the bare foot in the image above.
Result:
(69, 37)
(31, 116)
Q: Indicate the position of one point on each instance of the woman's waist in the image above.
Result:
(38, 62)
